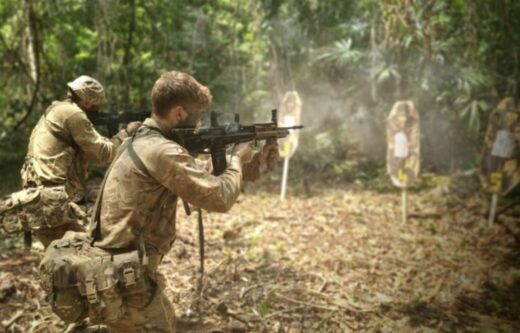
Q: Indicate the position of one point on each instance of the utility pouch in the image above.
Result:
(133, 278)
(98, 284)
(52, 210)
(58, 275)
(82, 280)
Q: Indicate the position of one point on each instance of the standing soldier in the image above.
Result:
(62, 144)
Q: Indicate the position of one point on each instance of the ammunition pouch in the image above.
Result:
(84, 281)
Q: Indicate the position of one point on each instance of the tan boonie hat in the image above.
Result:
(88, 89)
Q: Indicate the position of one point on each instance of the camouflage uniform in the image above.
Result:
(60, 147)
(136, 205)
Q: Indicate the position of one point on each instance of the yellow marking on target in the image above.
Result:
(402, 176)
(286, 148)
(495, 183)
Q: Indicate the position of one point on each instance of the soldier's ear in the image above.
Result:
(176, 114)
(180, 113)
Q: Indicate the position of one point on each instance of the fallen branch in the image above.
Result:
(424, 216)
(343, 303)
(13, 319)
(223, 310)
(245, 291)
(277, 313)
(310, 305)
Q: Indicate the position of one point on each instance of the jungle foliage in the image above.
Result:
(350, 60)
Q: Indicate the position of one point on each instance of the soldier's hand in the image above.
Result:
(243, 151)
(269, 155)
(132, 127)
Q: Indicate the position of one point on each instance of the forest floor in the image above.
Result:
(333, 258)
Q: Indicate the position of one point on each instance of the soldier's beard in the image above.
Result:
(191, 121)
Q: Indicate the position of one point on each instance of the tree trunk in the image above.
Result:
(373, 61)
(33, 56)
(127, 58)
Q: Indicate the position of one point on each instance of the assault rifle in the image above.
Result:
(112, 121)
(211, 140)
(214, 139)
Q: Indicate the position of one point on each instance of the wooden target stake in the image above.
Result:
(404, 206)
(493, 209)
(290, 115)
(284, 177)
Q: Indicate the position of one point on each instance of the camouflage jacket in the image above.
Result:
(135, 204)
(62, 144)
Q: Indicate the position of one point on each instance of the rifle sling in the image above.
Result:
(136, 159)
(94, 229)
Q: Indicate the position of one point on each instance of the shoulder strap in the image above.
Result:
(138, 162)
(136, 159)
(95, 225)
(94, 229)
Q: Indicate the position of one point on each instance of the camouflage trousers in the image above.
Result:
(147, 311)
(65, 215)
(46, 211)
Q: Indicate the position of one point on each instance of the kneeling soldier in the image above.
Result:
(139, 197)
(62, 144)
